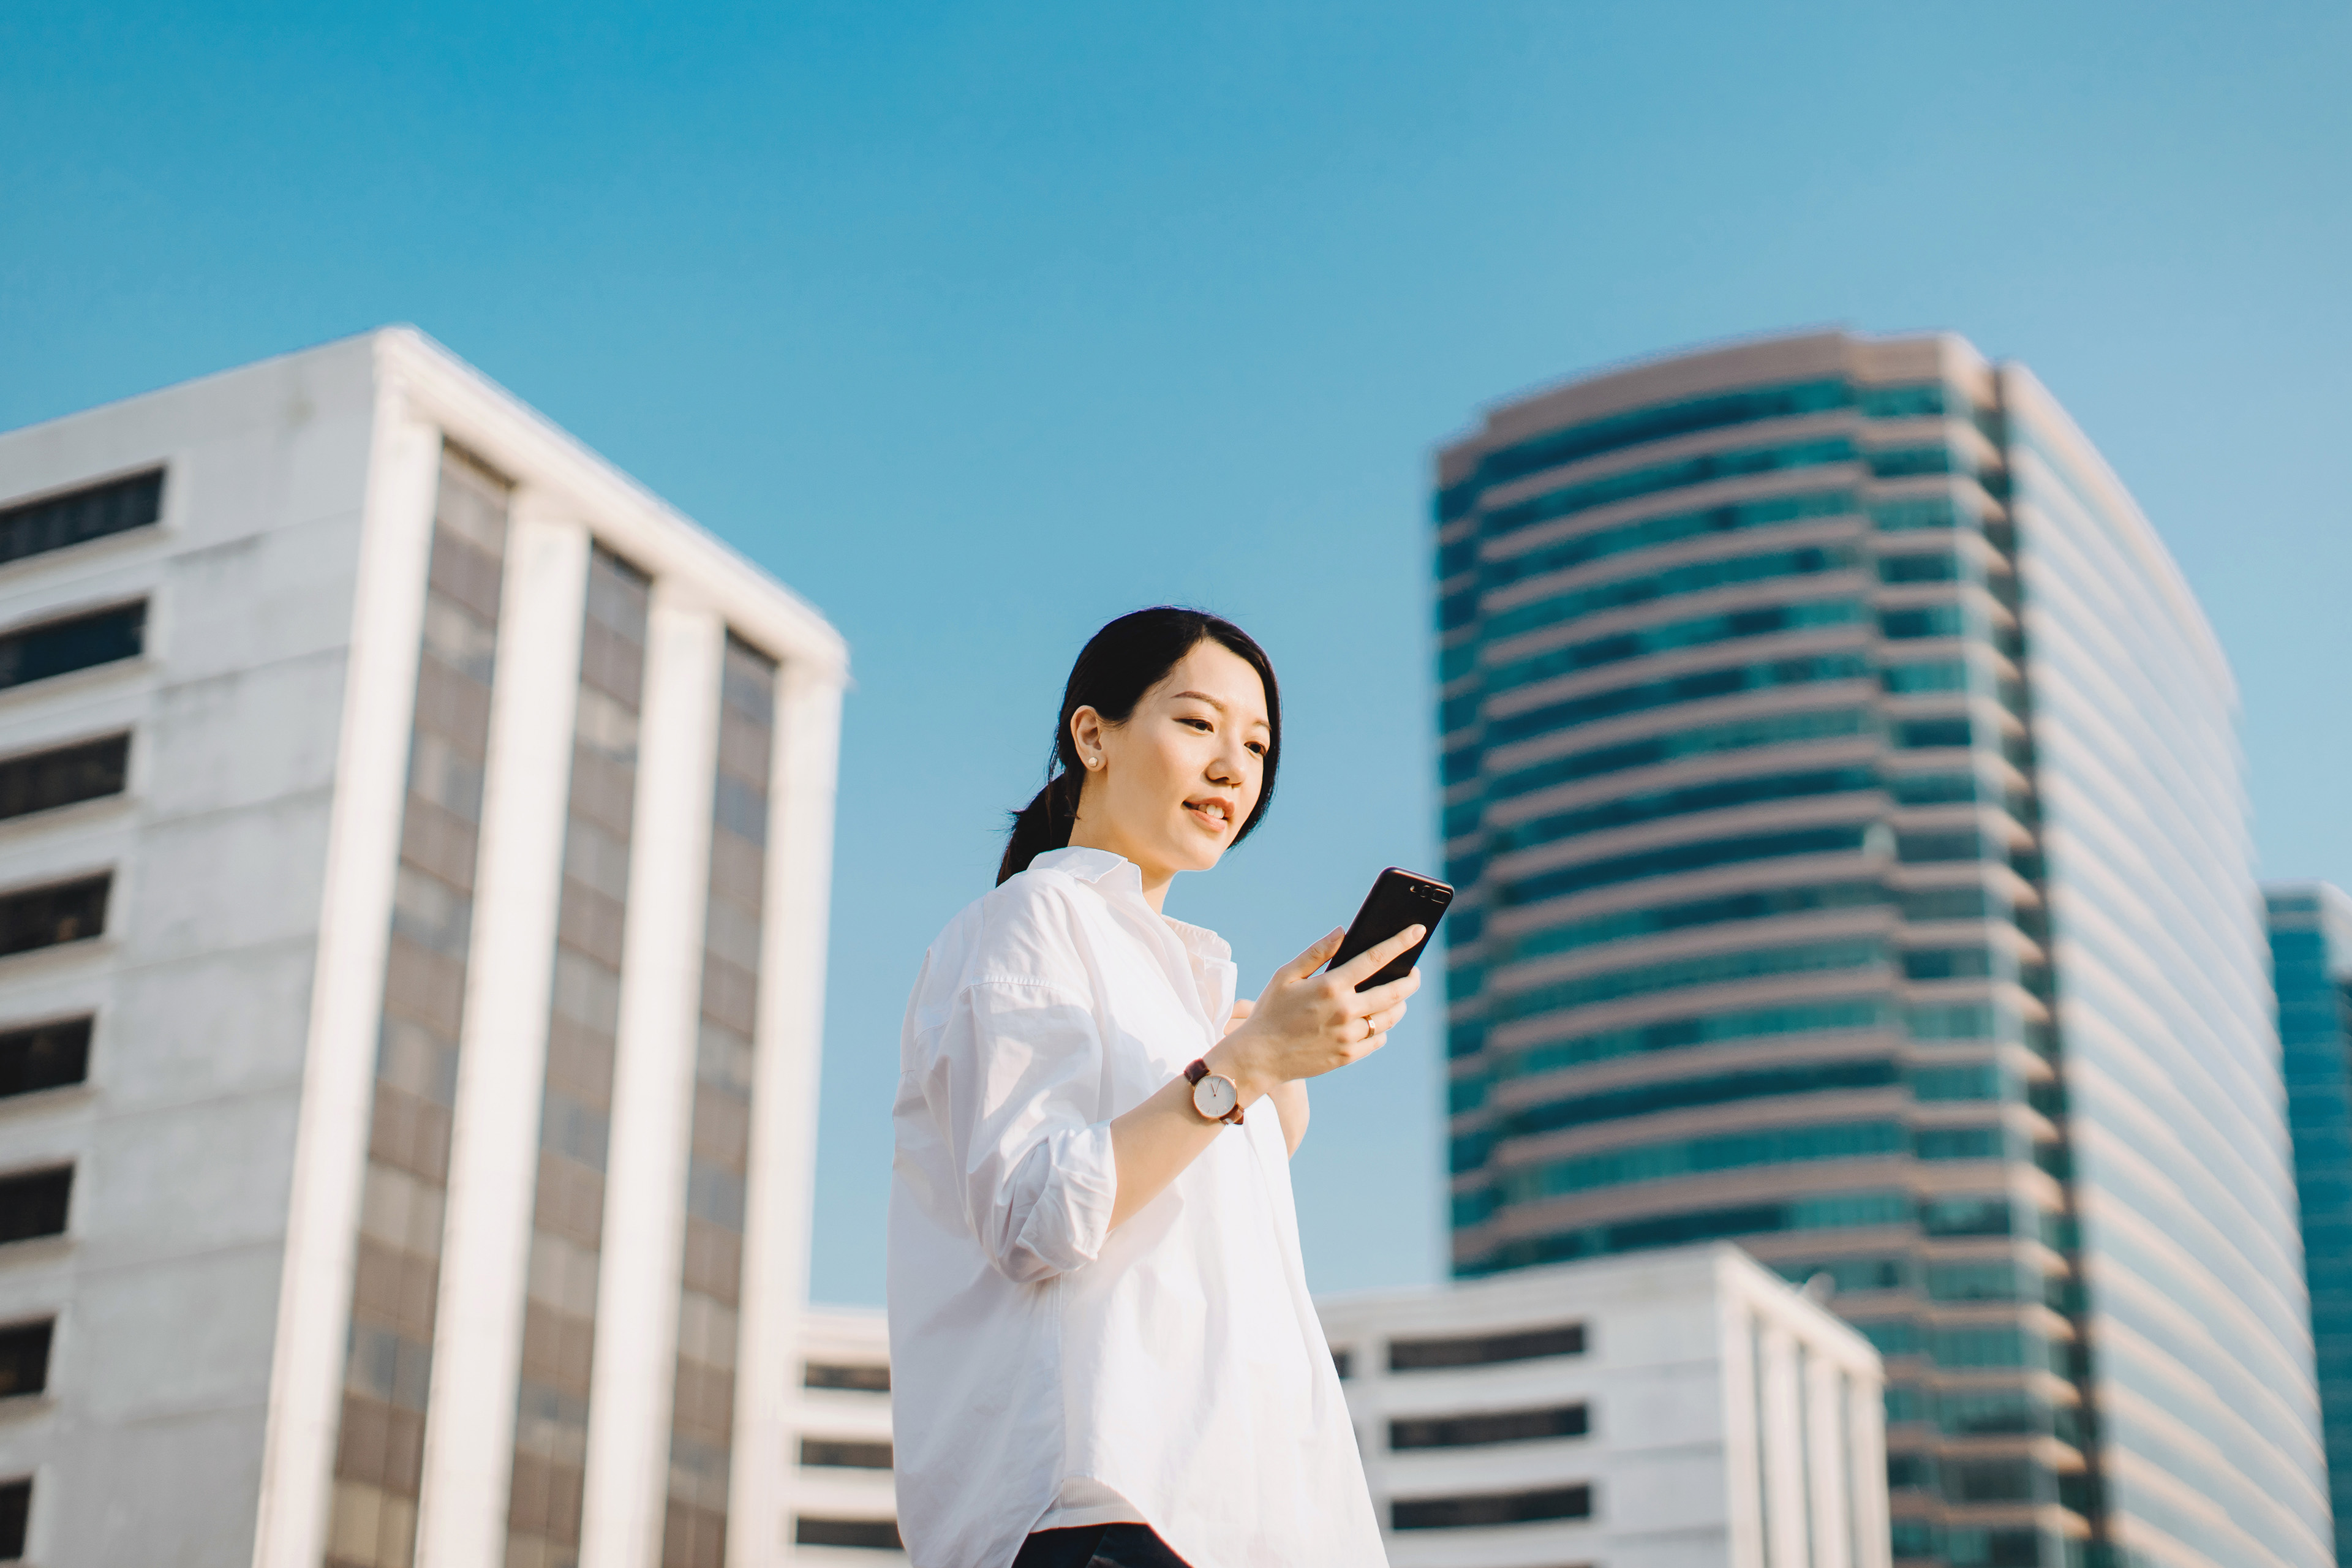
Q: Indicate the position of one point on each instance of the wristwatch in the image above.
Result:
(1214, 1094)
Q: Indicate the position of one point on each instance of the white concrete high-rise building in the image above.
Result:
(413, 849)
(1676, 1409)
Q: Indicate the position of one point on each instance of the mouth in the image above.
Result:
(1212, 812)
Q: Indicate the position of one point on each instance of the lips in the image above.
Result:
(1213, 813)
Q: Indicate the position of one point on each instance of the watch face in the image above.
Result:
(1213, 1097)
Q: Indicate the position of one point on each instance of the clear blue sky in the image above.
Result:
(980, 324)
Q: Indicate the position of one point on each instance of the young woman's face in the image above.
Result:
(1170, 787)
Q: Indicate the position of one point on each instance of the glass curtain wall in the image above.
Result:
(380, 1442)
(576, 1115)
(703, 1412)
(2311, 958)
(1744, 755)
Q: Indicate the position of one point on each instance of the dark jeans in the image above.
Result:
(1097, 1546)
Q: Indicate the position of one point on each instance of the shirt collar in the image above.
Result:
(1116, 873)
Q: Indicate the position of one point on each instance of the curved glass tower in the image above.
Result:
(1842, 787)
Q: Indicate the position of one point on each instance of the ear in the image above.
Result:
(1086, 730)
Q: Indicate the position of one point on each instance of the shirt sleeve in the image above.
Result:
(1014, 1084)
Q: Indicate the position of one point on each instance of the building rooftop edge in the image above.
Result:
(407, 348)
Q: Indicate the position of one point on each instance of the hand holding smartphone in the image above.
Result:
(1399, 898)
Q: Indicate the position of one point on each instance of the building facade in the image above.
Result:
(840, 1503)
(2311, 955)
(1844, 792)
(414, 848)
(1674, 1409)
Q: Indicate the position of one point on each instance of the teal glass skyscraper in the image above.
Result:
(1843, 791)
(2311, 953)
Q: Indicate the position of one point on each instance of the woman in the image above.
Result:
(1103, 1350)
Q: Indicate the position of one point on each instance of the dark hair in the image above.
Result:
(1117, 666)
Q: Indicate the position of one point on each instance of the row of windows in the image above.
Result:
(1701, 969)
(1491, 1508)
(1829, 1014)
(94, 511)
(1763, 903)
(1635, 427)
(1716, 795)
(1835, 839)
(1489, 1427)
(1683, 1094)
(1700, 631)
(1703, 1156)
(1834, 1211)
(1704, 467)
(1655, 533)
(1693, 686)
(1674, 582)
(1735, 735)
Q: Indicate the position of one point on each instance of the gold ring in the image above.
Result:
(1371, 1030)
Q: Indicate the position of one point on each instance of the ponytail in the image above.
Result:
(1043, 824)
(1117, 666)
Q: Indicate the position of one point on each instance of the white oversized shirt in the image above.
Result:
(1172, 1371)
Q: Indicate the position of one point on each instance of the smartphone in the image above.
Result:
(1398, 899)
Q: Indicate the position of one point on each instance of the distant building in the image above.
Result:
(2311, 952)
(1843, 791)
(1678, 1409)
(413, 844)
(839, 1503)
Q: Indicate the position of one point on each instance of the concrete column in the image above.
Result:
(314, 1299)
(784, 1108)
(478, 1330)
(1743, 1458)
(1826, 1466)
(631, 1386)
(1865, 1434)
(1786, 1543)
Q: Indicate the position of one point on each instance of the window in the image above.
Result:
(1691, 577)
(846, 1455)
(25, 1359)
(865, 1379)
(1680, 974)
(1492, 1507)
(1706, 1156)
(1637, 425)
(16, 1508)
(75, 642)
(38, 527)
(33, 1204)
(1760, 904)
(1703, 469)
(1652, 533)
(877, 1534)
(1697, 686)
(1672, 1034)
(1496, 1426)
(43, 781)
(49, 917)
(1677, 1094)
(1486, 1349)
(1343, 1361)
(1701, 631)
(1779, 729)
(1841, 838)
(45, 1056)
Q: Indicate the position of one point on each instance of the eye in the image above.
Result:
(1257, 749)
(1201, 724)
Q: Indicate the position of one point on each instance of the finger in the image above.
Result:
(1389, 995)
(1367, 964)
(1308, 963)
(1387, 1018)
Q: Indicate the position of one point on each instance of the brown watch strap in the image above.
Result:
(1199, 1071)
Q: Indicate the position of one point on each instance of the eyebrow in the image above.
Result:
(1205, 696)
